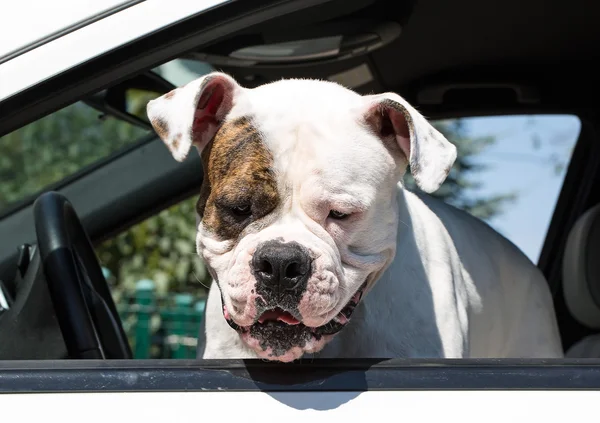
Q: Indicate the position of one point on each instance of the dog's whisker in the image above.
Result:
(324, 310)
(404, 223)
(198, 279)
(326, 314)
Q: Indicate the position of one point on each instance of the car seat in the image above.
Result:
(581, 280)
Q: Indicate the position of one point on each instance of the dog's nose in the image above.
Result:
(281, 266)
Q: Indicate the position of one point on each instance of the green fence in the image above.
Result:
(161, 326)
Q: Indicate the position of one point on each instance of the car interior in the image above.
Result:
(451, 60)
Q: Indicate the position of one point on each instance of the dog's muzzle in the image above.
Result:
(282, 271)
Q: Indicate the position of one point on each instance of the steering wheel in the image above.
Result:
(84, 307)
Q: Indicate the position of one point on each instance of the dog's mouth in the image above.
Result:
(279, 321)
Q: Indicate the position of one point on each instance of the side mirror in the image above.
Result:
(127, 100)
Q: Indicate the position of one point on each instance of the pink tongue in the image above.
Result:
(282, 316)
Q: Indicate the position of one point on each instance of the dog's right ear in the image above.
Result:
(192, 114)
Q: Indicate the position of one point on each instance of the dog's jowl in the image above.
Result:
(314, 245)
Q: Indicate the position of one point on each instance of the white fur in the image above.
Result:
(441, 283)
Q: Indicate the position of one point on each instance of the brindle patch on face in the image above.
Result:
(238, 172)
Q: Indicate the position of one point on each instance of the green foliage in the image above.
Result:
(460, 180)
(162, 247)
(56, 146)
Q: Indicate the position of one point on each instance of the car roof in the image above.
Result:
(85, 34)
(20, 29)
(493, 37)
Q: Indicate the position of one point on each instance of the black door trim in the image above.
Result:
(318, 375)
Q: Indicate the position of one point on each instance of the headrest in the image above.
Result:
(588, 347)
(581, 269)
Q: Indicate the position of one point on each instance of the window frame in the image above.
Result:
(319, 375)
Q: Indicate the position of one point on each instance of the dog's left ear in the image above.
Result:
(428, 152)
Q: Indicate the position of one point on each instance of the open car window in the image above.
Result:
(509, 172)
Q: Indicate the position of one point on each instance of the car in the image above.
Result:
(100, 287)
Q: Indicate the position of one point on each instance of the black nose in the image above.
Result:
(281, 266)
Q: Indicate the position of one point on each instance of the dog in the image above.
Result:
(316, 248)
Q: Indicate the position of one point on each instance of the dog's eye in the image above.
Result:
(334, 214)
(244, 210)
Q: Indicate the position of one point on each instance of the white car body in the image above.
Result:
(291, 407)
(85, 43)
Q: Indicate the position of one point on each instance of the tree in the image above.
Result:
(57, 146)
(461, 179)
(161, 248)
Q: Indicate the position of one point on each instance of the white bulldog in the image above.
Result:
(303, 222)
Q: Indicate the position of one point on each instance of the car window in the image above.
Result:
(181, 71)
(509, 172)
(67, 141)
(57, 146)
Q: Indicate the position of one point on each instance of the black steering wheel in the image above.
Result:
(84, 307)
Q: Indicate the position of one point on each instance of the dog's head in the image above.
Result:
(297, 214)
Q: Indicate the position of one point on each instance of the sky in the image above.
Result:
(514, 165)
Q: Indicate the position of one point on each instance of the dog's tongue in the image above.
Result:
(280, 315)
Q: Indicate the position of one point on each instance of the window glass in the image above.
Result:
(57, 146)
(509, 173)
(181, 71)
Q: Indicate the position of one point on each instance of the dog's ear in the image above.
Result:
(428, 152)
(192, 114)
